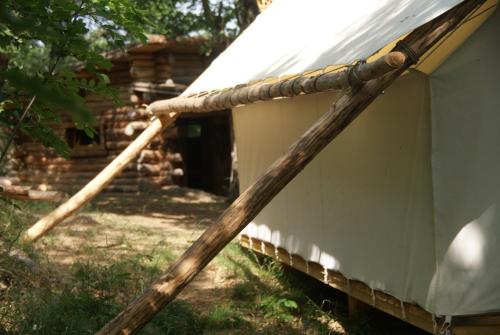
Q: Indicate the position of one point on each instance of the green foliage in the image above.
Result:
(225, 317)
(220, 20)
(178, 318)
(40, 42)
(15, 216)
(251, 295)
(244, 291)
(66, 312)
(281, 308)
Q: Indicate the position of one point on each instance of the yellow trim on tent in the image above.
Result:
(439, 53)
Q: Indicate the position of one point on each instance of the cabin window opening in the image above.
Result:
(78, 138)
(83, 145)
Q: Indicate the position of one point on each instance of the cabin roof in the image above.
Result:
(157, 43)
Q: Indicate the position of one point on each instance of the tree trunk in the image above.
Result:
(258, 195)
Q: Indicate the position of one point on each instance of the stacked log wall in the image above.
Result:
(158, 165)
(152, 169)
(161, 67)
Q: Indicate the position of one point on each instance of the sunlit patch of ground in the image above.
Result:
(103, 257)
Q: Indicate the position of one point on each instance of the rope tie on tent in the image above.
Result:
(280, 87)
(263, 247)
(352, 76)
(408, 50)
(374, 298)
(434, 324)
(149, 112)
(325, 275)
(315, 87)
(445, 327)
(290, 259)
(403, 311)
(307, 267)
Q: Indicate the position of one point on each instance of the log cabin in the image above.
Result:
(194, 152)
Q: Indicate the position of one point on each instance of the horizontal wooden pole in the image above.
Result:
(340, 80)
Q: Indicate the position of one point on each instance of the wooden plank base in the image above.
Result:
(361, 297)
(356, 308)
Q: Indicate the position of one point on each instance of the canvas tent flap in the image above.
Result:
(411, 214)
(294, 36)
(363, 206)
(466, 175)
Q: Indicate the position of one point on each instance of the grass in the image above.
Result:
(241, 293)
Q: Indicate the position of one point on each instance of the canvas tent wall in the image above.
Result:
(387, 226)
(465, 106)
(369, 224)
(396, 225)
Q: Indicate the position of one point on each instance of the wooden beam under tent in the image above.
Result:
(365, 297)
(281, 172)
(168, 110)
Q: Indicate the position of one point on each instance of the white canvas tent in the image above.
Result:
(406, 199)
(400, 209)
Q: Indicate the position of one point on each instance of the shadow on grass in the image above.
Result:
(261, 297)
(307, 289)
(185, 204)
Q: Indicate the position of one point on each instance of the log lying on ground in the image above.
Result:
(258, 195)
(9, 181)
(26, 193)
(99, 182)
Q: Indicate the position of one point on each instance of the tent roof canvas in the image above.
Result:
(294, 37)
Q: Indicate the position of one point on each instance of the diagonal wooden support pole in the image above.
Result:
(96, 185)
(168, 110)
(258, 195)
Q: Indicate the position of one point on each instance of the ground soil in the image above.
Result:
(123, 223)
(116, 226)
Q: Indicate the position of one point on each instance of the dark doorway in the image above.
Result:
(206, 151)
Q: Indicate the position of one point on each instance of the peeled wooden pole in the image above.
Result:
(89, 191)
(241, 95)
(258, 195)
(165, 110)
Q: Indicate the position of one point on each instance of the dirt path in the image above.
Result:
(139, 235)
(118, 225)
